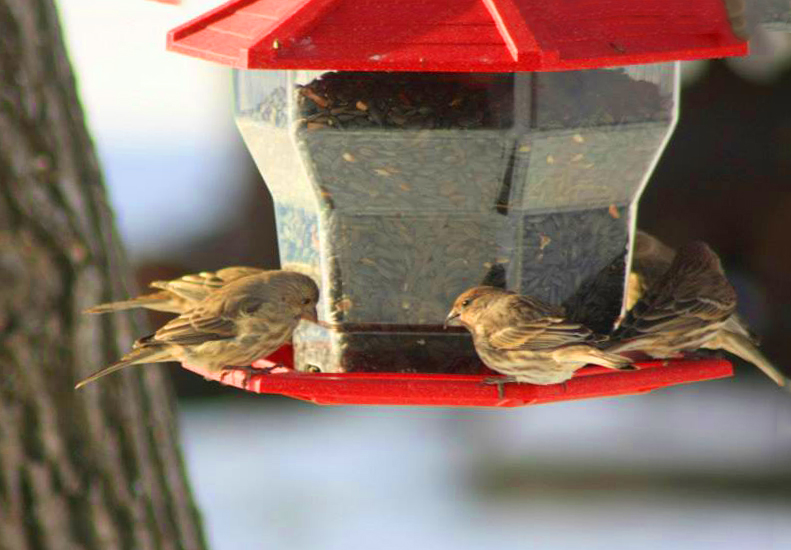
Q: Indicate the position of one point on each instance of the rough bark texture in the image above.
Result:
(99, 468)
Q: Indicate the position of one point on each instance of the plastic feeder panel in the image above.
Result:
(398, 191)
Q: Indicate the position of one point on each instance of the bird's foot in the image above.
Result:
(628, 368)
(248, 371)
(500, 382)
(271, 367)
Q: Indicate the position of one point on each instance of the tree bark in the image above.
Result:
(98, 468)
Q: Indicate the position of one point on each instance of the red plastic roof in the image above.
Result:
(456, 35)
(462, 390)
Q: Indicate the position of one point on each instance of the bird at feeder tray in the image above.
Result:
(528, 340)
(232, 327)
(691, 305)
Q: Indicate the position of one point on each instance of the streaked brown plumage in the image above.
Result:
(683, 310)
(526, 339)
(651, 262)
(179, 295)
(651, 259)
(233, 326)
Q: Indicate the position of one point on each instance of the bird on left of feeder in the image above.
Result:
(233, 326)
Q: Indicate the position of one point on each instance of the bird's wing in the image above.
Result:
(545, 335)
(229, 274)
(693, 294)
(676, 316)
(196, 286)
(531, 324)
(194, 328)
(215, 317)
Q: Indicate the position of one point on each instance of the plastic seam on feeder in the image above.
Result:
(512, 27)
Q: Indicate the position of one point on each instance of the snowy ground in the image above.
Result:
(699, 467)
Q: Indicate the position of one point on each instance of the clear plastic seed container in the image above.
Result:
(398, 191)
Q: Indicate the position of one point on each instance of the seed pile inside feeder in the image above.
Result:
(408, 101)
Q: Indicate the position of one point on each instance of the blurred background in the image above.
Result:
(700, 466)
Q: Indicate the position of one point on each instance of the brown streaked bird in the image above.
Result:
(683, 310)
(233, 326)
(179, 295)
(652, 260)
(526, 339)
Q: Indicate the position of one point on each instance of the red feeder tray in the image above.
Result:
(447, 390)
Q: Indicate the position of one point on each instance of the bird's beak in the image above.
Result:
(450, 320)
(311, 315)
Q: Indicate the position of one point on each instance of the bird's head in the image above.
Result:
(471, 304)
(300, 295)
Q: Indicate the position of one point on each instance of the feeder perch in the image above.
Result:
(411, 155)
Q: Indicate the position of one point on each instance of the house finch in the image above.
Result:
(179, 295)
(238, 323)
(650, 260)
(650, 269)
(683, 310)
(526, 339)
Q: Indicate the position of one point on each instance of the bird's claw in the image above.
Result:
(248, 371)
(500, 382)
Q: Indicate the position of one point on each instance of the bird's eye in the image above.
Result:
(466, 302)
(251, 306)
(313, 368)
(306, 301)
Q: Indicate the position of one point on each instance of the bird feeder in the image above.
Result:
(415, 149)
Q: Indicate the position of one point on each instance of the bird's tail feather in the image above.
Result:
(142, 355)
(741, 346)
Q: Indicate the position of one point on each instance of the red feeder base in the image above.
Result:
(444, 390)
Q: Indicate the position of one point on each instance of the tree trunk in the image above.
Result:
(99, 468)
